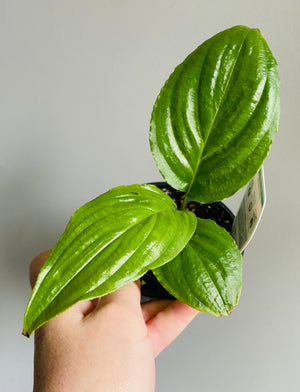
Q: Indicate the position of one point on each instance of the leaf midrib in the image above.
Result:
(209, 274)
(205, 141)
(87, 262)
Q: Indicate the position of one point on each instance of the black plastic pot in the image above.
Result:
(150, 287)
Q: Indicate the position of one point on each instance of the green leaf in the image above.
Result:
(207, 274)
(109, 242)
(216, 116)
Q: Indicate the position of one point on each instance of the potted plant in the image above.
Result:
(211, 129)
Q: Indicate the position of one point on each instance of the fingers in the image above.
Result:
(166, 325)
(164, 319)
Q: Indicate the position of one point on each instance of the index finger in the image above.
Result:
(167, 324)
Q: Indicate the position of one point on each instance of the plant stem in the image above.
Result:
(184, 203)
(186, 198)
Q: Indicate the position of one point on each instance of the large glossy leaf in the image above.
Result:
(109, 242)
(215, 118)
(207, 274)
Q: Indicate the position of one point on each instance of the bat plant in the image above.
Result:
(211, 129)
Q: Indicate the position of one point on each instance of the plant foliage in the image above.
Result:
(215, 118)
(211, 129)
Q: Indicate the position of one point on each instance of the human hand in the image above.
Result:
(107, 345)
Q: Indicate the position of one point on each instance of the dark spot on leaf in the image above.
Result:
(251, 222)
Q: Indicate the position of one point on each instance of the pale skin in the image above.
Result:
(105, 346)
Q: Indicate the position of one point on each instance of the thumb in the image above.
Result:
(128, 297)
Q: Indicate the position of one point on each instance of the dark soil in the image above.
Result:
(150, 287)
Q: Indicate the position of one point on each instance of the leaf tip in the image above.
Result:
(231, 310)
(25, 333)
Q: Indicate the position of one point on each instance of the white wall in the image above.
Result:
(78, 79)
